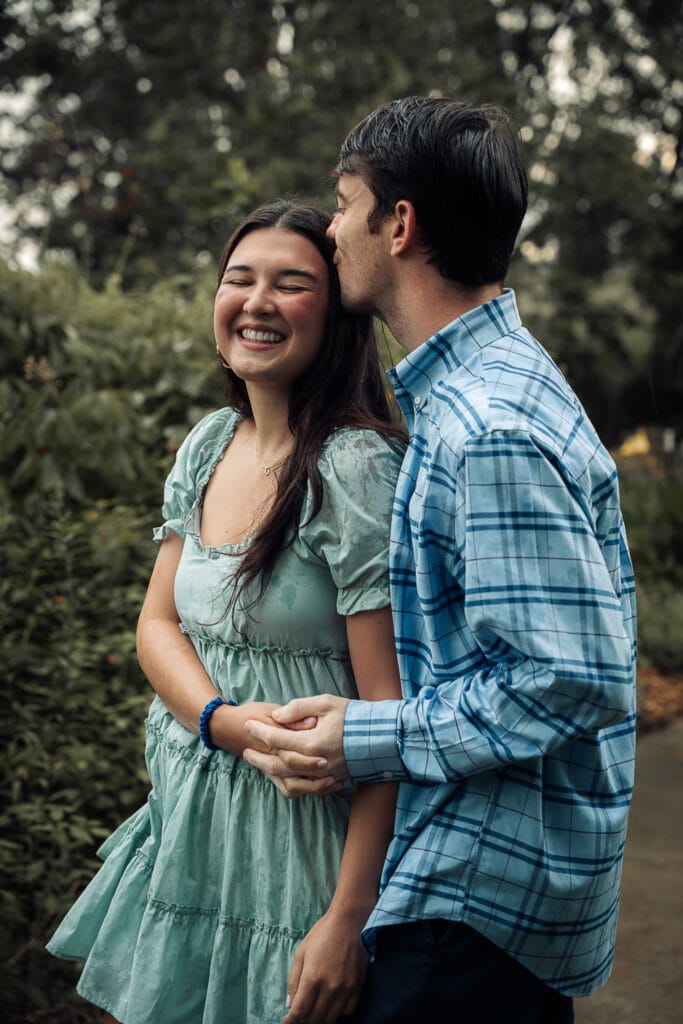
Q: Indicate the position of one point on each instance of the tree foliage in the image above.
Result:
(154, 127)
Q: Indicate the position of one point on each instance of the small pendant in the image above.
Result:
(266, 470)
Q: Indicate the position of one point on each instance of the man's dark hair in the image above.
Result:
(459, 167)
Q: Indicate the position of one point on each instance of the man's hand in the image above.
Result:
(228, 724)
(307, 762)
(327, 972)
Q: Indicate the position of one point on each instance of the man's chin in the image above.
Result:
(356, 303)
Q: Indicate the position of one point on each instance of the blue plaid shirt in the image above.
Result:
(513, 599)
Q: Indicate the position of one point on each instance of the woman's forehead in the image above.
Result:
(273, 247)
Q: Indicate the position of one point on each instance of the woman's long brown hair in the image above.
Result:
(343, 387)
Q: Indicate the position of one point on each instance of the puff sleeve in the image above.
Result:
(350, 533)
(195, 461)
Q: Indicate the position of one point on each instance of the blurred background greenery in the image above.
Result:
(134, 135)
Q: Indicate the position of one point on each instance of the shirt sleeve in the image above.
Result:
(350, 533)
(194, 463)
(544, 610)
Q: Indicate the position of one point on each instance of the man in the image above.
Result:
(513, 603)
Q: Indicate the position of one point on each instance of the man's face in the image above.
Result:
(361, 257)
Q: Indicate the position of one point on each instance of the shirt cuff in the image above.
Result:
(371, 747)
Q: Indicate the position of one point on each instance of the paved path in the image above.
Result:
(646, 986)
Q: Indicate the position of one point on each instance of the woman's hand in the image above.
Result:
(327, 972)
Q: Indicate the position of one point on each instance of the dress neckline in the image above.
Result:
(194, 518)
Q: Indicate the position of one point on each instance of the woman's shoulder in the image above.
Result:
(360, 442)
(205, 443)
(359, 453)
(212, 430)
(214, 424)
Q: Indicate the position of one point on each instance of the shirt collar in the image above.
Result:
(416, 374)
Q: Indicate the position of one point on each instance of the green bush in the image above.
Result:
(96, 388)
(660, 626)
(73, 725)
(652, 501)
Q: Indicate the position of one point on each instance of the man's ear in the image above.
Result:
(404, 232)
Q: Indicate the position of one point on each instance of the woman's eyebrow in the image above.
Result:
(244, 268)
(293, 272)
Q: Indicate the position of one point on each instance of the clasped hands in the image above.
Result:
(305, 746)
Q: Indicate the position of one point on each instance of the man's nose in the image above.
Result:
(332, 229)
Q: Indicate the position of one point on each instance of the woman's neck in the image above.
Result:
(270, 411)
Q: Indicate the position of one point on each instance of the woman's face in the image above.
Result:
(271, 307)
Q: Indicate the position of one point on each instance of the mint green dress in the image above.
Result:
(206, 891)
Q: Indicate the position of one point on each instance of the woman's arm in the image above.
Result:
(171, 664)
(329, 965)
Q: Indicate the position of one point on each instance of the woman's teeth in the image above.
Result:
(267, 337)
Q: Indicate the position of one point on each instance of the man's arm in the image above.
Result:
(546, 614)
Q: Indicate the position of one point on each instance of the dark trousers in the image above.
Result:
(438, 972)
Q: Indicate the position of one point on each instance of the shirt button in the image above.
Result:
(387, 775)
(418, 402)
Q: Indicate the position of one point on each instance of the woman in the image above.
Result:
(271, 581)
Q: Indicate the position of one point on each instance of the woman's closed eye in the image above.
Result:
(239, 282)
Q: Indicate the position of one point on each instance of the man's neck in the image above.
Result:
(424, 307)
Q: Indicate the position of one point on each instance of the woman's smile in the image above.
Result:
(259, 337)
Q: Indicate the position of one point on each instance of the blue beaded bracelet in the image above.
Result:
(205, 718)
